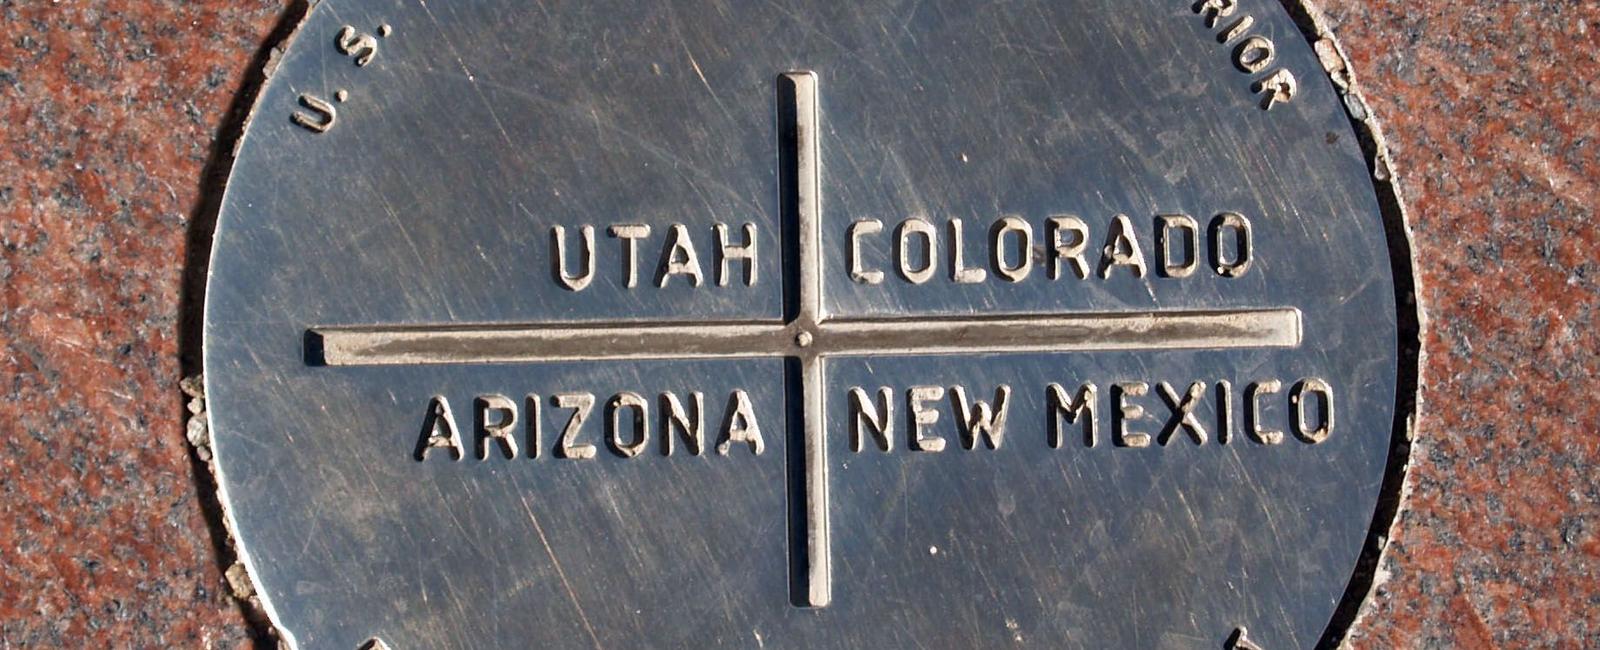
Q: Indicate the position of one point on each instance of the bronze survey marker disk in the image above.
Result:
(800, 324)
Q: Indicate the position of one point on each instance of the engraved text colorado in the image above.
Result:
(572, 423)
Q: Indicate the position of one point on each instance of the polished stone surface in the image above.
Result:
(113, 111)
(1492, 111)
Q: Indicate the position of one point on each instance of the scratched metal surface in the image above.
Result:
(476, 127)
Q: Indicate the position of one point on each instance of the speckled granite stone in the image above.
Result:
(110, 110)
(1492, 111)
(113, 111)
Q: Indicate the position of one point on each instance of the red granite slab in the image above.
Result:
(113, 111)
(109, 111)
(1492, 111)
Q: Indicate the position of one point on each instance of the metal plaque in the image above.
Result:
(885, 323)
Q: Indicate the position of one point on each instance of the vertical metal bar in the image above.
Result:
(807, 201)
(820, 575)
(808, 193)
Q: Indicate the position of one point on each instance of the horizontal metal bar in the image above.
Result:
(1265, 328)
(932, 335)
(390, 346)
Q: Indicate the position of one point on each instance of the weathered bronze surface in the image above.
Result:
(800, 324)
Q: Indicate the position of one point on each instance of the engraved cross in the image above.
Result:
(807, 334)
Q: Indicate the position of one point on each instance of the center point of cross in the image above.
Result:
(804, 339)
